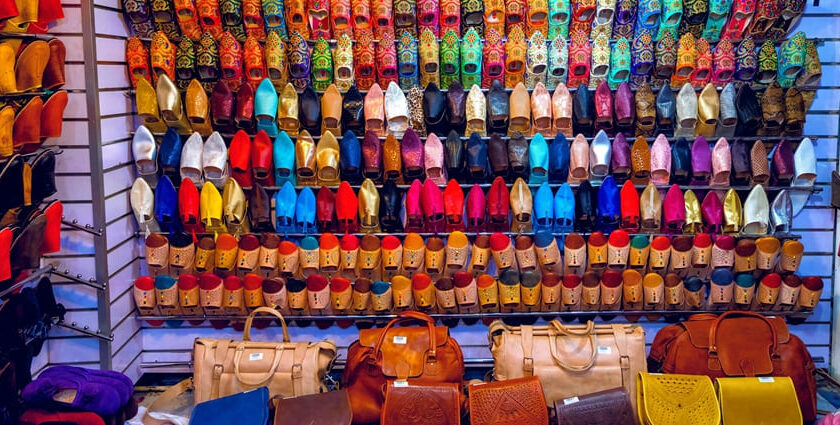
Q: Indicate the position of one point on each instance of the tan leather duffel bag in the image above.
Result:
(570, 360)
(289, 369)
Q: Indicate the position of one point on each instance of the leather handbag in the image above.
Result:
(289, 369)
(424, 354)
(569, 360)
(609, 407)
(422, 404)
(515, 401)
(676, 400)
(246, 408)
(766, 400)
(330, 408)
(737, 343)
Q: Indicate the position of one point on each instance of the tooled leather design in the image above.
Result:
(419, 407)
(503, 403)
(671, 399)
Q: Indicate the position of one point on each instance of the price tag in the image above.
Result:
(400, 339)
(602, 349)
(766, 379)
(400, 384)
(570, 400)
(255, 357)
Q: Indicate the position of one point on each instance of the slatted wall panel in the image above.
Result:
(138, 348)
(116, 123)
(73, 178)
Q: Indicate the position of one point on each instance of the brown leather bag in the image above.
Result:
(330, 408)
(515, 401)
(737, 343)
(570, 360)
(225, 367)
(407, 354)
(609, 407)
(422, 404)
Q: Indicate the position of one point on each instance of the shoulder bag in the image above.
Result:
(569, 360)
(223, 367)
(737, 343)
(407, 354)
(676, 400)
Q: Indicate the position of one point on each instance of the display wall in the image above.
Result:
(98, 156)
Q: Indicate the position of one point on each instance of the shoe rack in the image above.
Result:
(169, 345)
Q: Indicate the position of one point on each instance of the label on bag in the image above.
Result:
(570, 400)
(603, 349)
(253, 357)
(766, 380)
(400, 384)
(400, 340)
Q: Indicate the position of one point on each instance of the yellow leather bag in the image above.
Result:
(665, 399)
(764, 400)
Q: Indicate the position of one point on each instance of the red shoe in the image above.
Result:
(52, 232)
(630, 219)
(8, 9)
(346, 209)
(453, 206)
(476, 209)
(188, 207)
(48, 12)
(239, 153)
(325, 210)
(433, 206)
(498, 206)
(262, 156)
(52, 114)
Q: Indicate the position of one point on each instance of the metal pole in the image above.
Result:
(96, 179)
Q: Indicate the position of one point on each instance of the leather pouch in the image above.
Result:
(758, 400)
(490, 403)
(330, 408)
(609, 407)
(411, 403)
(244, 408)
(676, 400)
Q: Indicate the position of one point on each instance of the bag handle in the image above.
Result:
(563, 330)
(246, 336)
(404, 317)
(713, 348)
(237, 358)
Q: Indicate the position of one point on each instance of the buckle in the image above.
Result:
(297, 371)
(528, 364)
(217, 370)
(624, 361)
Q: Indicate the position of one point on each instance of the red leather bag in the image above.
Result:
(737, 343)
(409, 354)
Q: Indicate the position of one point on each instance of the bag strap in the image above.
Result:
(563, 331)
(713, 347)
(219, 357)
(620, 337)
(298, 357)
(165, 397)
(403, 317)
(527, 349)
(237, 358)
(246, 335)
